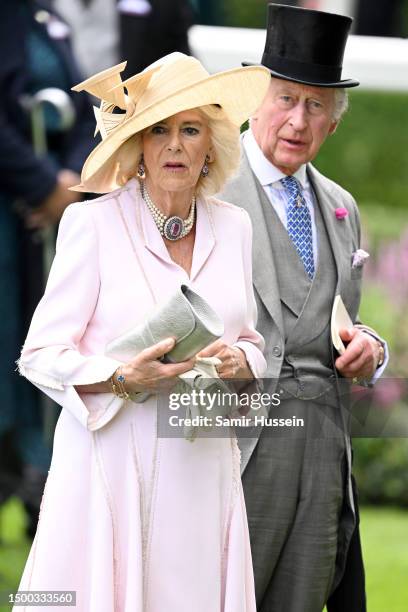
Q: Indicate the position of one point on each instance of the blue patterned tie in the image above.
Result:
(299, 223)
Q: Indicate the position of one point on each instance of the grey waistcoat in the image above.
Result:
(305, 304)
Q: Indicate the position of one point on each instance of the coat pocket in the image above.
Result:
(356, 273)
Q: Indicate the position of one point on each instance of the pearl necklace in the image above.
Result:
(172, 228)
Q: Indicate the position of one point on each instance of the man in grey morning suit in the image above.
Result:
(298, 486)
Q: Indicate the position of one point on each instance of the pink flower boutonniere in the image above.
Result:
(341, 213)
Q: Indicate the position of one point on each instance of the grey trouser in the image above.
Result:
(294, 489)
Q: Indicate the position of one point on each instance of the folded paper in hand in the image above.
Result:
(340, 319)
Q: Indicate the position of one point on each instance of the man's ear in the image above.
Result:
(333, 127)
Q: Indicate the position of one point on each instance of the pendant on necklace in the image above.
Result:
(173, 228)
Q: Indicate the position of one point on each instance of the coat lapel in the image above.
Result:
(248, 195)
(334, 227)
(343, 236)
(205, 237)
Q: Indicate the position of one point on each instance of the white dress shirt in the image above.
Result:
(269, 177)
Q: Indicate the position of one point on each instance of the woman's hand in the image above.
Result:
(234, 363)
(146, 373)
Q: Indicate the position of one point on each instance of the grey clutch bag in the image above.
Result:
(186, 316)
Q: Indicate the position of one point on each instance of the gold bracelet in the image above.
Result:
(118, 386)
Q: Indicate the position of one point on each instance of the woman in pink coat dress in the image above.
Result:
(130, 521)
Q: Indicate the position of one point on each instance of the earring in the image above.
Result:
(141, 170)
(205, 169)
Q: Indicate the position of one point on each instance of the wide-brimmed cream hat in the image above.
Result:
(173, 84)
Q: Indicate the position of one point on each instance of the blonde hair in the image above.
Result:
(224, 137)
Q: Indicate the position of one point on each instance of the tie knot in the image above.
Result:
(291, 184)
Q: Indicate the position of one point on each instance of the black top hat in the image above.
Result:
(306, 46)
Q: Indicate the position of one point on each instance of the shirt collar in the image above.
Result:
(265, 172)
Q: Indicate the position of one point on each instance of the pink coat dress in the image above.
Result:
(130, 521)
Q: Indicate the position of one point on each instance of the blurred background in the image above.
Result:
(45, 138)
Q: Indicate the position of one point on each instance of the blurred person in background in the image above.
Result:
(35, 54)
(104, 31)
(150, 29)
(207, 11)
(94, 32)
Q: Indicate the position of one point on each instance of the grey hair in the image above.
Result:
(341, 104)
(224, 137)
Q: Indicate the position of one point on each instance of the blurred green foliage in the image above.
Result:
(236, 13)
(368, 153)
(368, 157)
(384, 540)
(252, 13)
(381, 471)
(382, 225)
(381, 465)
(14, 546)
(232, 13)
(378, 311)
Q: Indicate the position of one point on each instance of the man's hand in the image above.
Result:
(361, 357)
(50, 210)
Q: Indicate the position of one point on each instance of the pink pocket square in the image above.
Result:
(359, 258)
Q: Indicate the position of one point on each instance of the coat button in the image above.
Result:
(276, 351)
